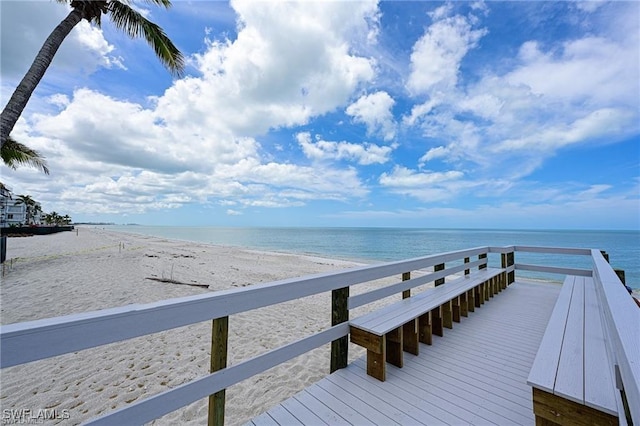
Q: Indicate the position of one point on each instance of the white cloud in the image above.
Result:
(433, 153)
(426, 186)
(580, 91)
(436, 56)
(363, 154)
(290, 62)
(375, 111)
(94, 43)
(85, 49)
(197, 141)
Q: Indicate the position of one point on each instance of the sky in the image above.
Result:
(518, 115)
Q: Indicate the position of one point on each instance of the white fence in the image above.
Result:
(30, 341)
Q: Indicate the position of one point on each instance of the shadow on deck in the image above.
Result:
(477, 373)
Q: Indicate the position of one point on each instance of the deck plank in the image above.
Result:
(569, 378)
(543, 375)
(598, 382)
(475, 374)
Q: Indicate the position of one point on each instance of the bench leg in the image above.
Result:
(455, 309)
(394, 347)
(376, 347)
(410, 337)
(376, 367)
(424, 328)
(471, 300)
(486, 287)
(464, 305)
(447, 315)
(436, 322)
(479, 295)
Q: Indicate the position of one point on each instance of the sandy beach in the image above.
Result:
(69, 272)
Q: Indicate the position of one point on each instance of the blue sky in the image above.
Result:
(402, 114)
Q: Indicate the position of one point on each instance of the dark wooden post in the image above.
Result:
(466, 271)
(219, 339)
(482, 256)
(436, 268)
(620, 274)
(605, 255)
(406, 276)
(410, 335)
(339, 314)
(511, 276)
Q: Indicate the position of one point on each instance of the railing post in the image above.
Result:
(508, 259)
(436, 268)
(605, 255)
(466, 271)
(482, 256)
(339, 314)
(219, 339)
(405, 277)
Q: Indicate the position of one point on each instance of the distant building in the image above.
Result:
(14, 213)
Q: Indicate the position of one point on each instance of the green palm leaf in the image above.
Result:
(14, 153)
(137, 26)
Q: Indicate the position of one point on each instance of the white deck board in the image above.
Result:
(543, 375)
(598, 381)
(570, 373)
(475, 374)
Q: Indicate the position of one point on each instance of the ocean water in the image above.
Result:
(373, 245)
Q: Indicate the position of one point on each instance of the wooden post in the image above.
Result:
(511, 276)
(436, 268)
(406, 276)
(507, 261)
(620, 274)
(605, 255)
(219, 338)
(482, 256)
(339, 314)
(466, 271)
(410, 329)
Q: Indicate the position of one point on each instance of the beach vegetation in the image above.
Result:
(14, 154)
(32, 207)
(123, 16)
(56, 219)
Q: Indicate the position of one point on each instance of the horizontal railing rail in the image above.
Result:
(35, 340)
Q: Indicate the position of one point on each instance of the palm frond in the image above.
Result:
(14, 154)
(135, 25)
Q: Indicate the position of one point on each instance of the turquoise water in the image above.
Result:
(387, 244)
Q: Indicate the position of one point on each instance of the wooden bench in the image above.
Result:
(572, 375)
(387, 332)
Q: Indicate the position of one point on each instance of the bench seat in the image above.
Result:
(398, 327)
(572, 377)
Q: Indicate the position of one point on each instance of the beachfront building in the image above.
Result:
(15, 212)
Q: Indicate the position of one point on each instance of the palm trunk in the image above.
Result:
(23, 92)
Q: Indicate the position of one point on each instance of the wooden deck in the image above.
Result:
(475, 374)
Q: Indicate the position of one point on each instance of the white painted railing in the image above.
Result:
(622, 321)
(30, 341)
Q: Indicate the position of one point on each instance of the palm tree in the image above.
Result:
(30, 204)
(14, 153)
(123, 17)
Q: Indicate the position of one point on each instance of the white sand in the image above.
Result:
(67, 273)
